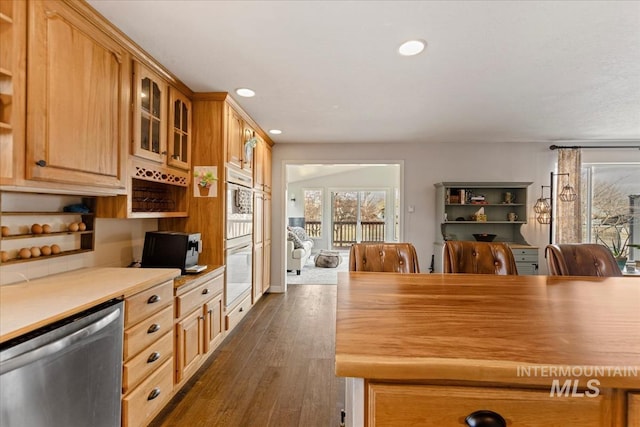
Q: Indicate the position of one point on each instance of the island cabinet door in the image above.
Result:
(405, 405)
(77, 96)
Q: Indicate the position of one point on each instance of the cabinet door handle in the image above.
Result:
(485, 418)
(154, 393)
(153, 357)
(210, 311)
(152, 299)
(205, 291)
(153, 328)
(41, 163)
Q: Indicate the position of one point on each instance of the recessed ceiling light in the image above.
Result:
(247, 93)
(275, 131)
(411, 47)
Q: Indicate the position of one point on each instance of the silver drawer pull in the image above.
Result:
(154, 393)
(153, 328)
(153, 357)
(152, 299)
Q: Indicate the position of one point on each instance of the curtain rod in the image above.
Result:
(555, 147)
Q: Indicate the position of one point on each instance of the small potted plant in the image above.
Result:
(204, 179)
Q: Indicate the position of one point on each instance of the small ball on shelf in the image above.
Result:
(5, 231)
(46, 228)
(45, 250)
(73, 226)
(55, 249)
(82, 226)
(36, 229)
(35, 252)
(24, 253)
(4, 256)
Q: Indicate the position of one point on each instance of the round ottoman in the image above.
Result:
(327, 259)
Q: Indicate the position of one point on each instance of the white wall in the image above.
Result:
(425, 165)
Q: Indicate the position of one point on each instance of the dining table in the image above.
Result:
(468, 349)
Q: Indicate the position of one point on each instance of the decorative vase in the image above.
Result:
(204, 191)
(622, 261)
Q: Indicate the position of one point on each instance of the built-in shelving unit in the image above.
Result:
(504, 206)
(17, 227)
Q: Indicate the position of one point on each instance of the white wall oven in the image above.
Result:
(239, 237)
(239, 206)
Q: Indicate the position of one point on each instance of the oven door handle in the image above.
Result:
(58, 345)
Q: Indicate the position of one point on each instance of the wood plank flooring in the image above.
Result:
(275, 369)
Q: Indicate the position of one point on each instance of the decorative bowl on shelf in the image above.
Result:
(484, 237)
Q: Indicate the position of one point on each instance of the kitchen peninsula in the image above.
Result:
(433, 349)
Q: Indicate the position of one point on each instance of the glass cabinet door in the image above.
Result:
(150, 112)
(179, 130)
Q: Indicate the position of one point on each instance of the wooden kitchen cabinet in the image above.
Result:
(267, 169)
(261, 244)
(198, 326)
(262, 166)
(150, 93)
(235, 129)
(12, 88)
(402, 404)
(250, 140)
(78, 94)
(179, 144)
(147, 354)
(633, 411)
(159, 176)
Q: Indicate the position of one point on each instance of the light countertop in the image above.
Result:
(27, 306)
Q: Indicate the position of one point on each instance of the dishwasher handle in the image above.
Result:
(58, 345)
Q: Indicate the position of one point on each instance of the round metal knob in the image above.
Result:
(41, 163)
(485, 418)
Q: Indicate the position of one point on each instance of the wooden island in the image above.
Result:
(432, 349)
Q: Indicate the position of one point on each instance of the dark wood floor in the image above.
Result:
(275, 369)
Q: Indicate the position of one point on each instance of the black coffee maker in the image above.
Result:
(172, 249)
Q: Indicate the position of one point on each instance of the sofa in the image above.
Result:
(299, 247)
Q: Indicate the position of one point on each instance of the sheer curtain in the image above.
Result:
(568, 219)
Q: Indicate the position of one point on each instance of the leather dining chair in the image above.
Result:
(384, 257)
(479, 258)
(581, 259)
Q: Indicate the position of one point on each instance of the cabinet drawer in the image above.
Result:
(141, 305)
(526, 258)
(144, 333)
(186, 302)
(526, 268)
(394, 405)
(146, 400)
(525, 252)
(237, 314)
(140, 366)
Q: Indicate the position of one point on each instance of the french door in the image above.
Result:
(358, 216)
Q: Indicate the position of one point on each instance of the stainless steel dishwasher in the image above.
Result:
(66, 374)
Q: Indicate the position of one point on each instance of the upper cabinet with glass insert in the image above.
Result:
(179, 130)
(149, 114)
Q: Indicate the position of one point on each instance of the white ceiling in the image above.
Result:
(328, 71)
